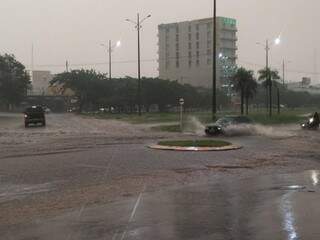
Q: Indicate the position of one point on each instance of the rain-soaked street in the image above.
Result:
(82, 178)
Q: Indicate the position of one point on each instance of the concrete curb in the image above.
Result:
(195, 149)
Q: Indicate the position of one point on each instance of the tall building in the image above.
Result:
(186, 51)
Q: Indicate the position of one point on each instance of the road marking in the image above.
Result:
(133, 213)
(107, 170)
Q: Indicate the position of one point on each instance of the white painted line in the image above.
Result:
(133, 213)
(135, 208)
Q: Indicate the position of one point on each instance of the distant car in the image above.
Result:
(220, 126)
(34, 115)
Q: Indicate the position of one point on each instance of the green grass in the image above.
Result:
(195, 143)
(287, 116)
(135, 119)
(166, 128)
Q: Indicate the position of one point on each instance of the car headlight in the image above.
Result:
(25, 116)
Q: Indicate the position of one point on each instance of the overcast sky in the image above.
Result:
(74, 30)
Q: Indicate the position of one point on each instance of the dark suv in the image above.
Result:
(34, 115)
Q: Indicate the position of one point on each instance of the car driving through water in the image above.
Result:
(220, 126)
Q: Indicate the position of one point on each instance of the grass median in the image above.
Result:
(287, 116)
(195, 143)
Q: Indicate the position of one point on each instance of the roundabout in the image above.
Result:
(195, 145)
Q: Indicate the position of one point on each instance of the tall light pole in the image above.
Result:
(110, 48)
(214, 62)
(138, 27)
(268, 71)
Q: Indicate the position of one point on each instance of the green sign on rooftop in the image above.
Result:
(229, 22)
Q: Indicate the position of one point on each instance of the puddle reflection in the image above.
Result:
(315, 177)
(288, 216)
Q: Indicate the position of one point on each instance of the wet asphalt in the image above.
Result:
(69, 181)
(267, 207)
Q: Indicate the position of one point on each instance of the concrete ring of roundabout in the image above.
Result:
(195, 146)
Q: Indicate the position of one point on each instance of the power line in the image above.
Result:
(165, 59)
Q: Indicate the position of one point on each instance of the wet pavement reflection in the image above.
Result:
(266, 207)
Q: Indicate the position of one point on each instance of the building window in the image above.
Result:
(209, 25)
(209, 52)
(189, 36)
(177, 37)
(177, 55)
(209, 35)
(190, 45)
(190, 55)
(190, 63)
(209, 61)
(209, 43)
(197, 27)
(198, 54)
(177, 64)
(198, 62)
(177, 29)
(189, 28)
(177, 46)
(198, 45)
(197, 36)
(167, 30)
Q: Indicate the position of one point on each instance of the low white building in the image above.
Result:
(40, 82)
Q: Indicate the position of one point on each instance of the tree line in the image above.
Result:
(14, 81)
(93, 90)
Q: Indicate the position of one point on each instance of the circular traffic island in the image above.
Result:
(195, 145)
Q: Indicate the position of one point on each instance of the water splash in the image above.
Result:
(258, 130)
(194, 125)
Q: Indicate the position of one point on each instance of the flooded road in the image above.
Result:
(284, 206)
(84, 178)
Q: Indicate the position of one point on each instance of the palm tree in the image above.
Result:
(245, 84)
(269, 78)
(263, 76)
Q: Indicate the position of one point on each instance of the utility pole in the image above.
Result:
(32, 62)
(283, 73)
(214, 66)
(110, 50)
(67, 66)
(278, 99)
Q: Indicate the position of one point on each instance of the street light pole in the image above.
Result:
(214, 66)
(109, 50)
(139, 66)
(268, 77)
(138, 27)
(268, 73)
